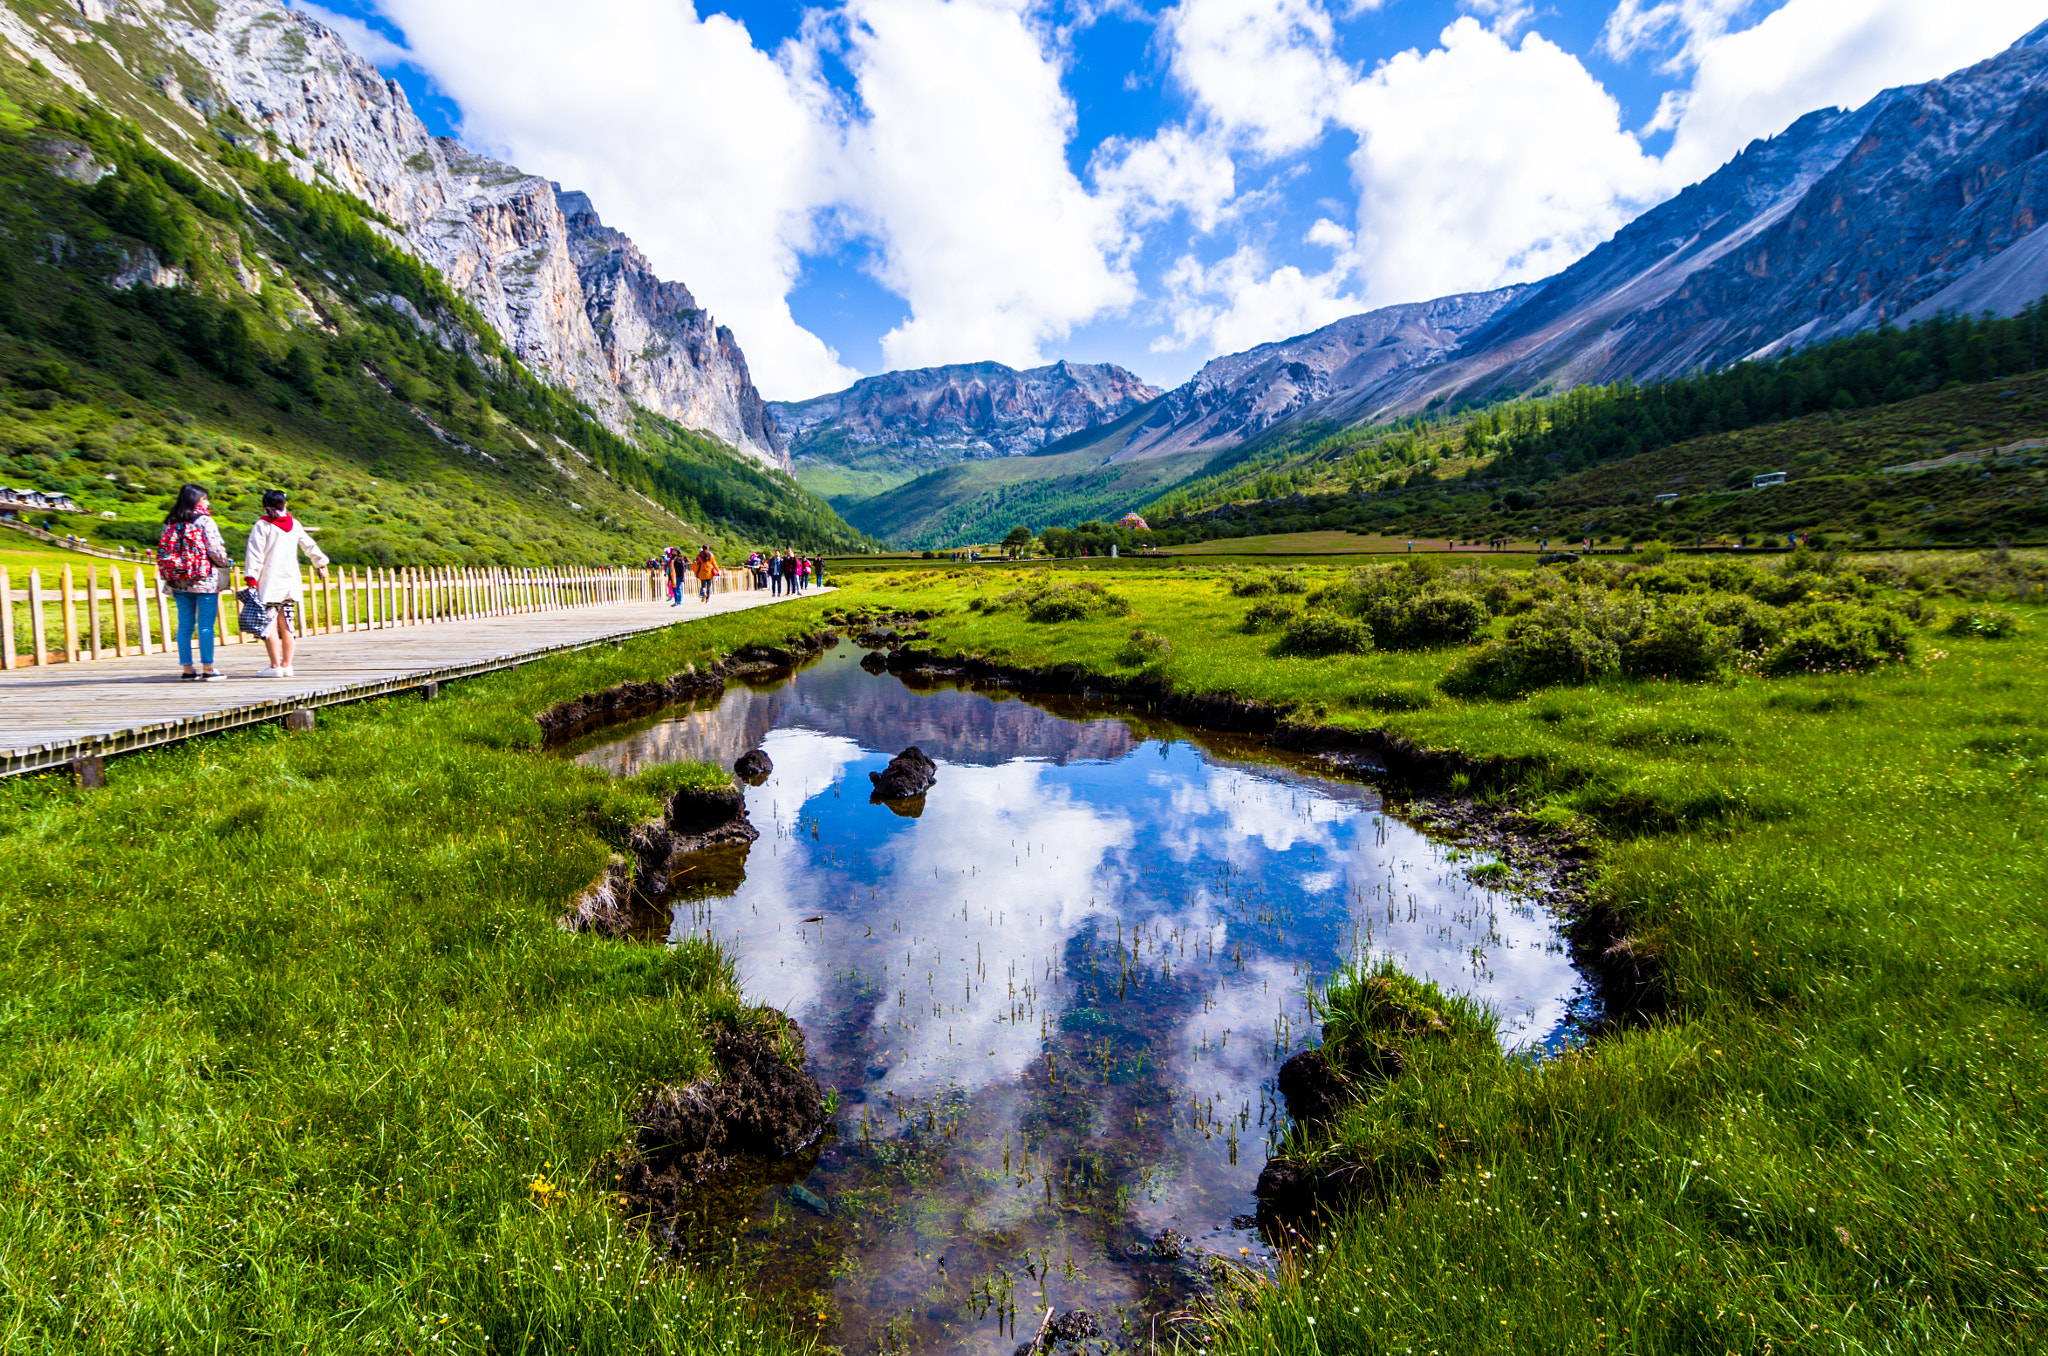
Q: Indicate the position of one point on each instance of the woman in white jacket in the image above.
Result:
(271, 568)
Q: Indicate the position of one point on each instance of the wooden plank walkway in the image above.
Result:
(51, 717)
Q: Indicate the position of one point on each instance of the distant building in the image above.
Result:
(1134, 522)
(1767, 478)
(1667, 498)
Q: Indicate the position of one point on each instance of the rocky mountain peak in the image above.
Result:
(965, 410)
(574, 299)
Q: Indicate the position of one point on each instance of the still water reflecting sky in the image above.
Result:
(1053, 1002)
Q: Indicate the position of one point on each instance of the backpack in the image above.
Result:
(181, 555)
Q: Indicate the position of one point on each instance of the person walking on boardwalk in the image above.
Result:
(190, 558)
(674, 570)
(271, 569)
(705, 567)
(818, 571)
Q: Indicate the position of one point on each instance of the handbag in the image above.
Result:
(253, 618)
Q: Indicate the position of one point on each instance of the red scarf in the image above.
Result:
(283, 521)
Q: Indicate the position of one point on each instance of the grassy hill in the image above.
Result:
(1067, 482)
(304, 351)
(1837, 483)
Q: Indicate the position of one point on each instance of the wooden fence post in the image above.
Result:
(141, 609)
(120, 612)
(71, 652)
(6, 620)
(92, 605)
(35, 618)
(164, 629)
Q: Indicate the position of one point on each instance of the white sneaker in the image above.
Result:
(286, 672)
(273, 672)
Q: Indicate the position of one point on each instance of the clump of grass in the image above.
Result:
(1270, 615)
(1052, 600)
(1317, 634)
(1397, 697)
(1984, 623)
(1145, 647)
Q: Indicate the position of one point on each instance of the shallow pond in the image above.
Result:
(1053, 1003)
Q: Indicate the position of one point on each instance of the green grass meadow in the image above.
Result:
(293, 1057)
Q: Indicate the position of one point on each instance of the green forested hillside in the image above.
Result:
(300, 349)
(1596, 460)
(974, 501)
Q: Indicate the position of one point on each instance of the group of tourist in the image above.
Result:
(192, 561)
(787, 572)
(778, 572)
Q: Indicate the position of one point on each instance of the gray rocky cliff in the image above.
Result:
(1241, 395)
(666, 352)
(964, 411)
(498, 234)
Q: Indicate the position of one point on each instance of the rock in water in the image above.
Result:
(909, 774)
(755, 766)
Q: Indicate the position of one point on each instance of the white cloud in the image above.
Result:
(713, 155)
(1482, 164)
(1244, 300)
(1176, 169)
(1265, 70)
(1505, 17)
(1812, 54)
(957, 164)
(363, 40)
(1645, 25)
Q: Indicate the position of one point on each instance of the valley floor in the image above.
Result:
(297, 1058)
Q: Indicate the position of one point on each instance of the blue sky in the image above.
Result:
(889, 183)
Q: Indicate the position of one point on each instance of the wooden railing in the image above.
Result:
(116, 611)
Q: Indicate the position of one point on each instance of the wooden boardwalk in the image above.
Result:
(54, 716)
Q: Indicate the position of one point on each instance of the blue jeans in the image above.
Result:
(196, 612)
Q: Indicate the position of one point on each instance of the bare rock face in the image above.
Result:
(1241, 395)
(910, 774)
(940, 415)
(616, 338)
(665, 352)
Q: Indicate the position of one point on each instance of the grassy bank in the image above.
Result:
(1831, 1141)
(293, 1056)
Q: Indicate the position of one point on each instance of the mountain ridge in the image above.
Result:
(498, 234)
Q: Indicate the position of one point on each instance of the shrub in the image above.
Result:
(1751, 627)
(1325, 633)
(1985, 623)
(1837, 638)
(1573, 638)
(1406, 608)
(1439, 617)
(1289, 583)
(1251, 586)
(1270, 615)
(1653, 552)
(1679, 642)
(1056, 602)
